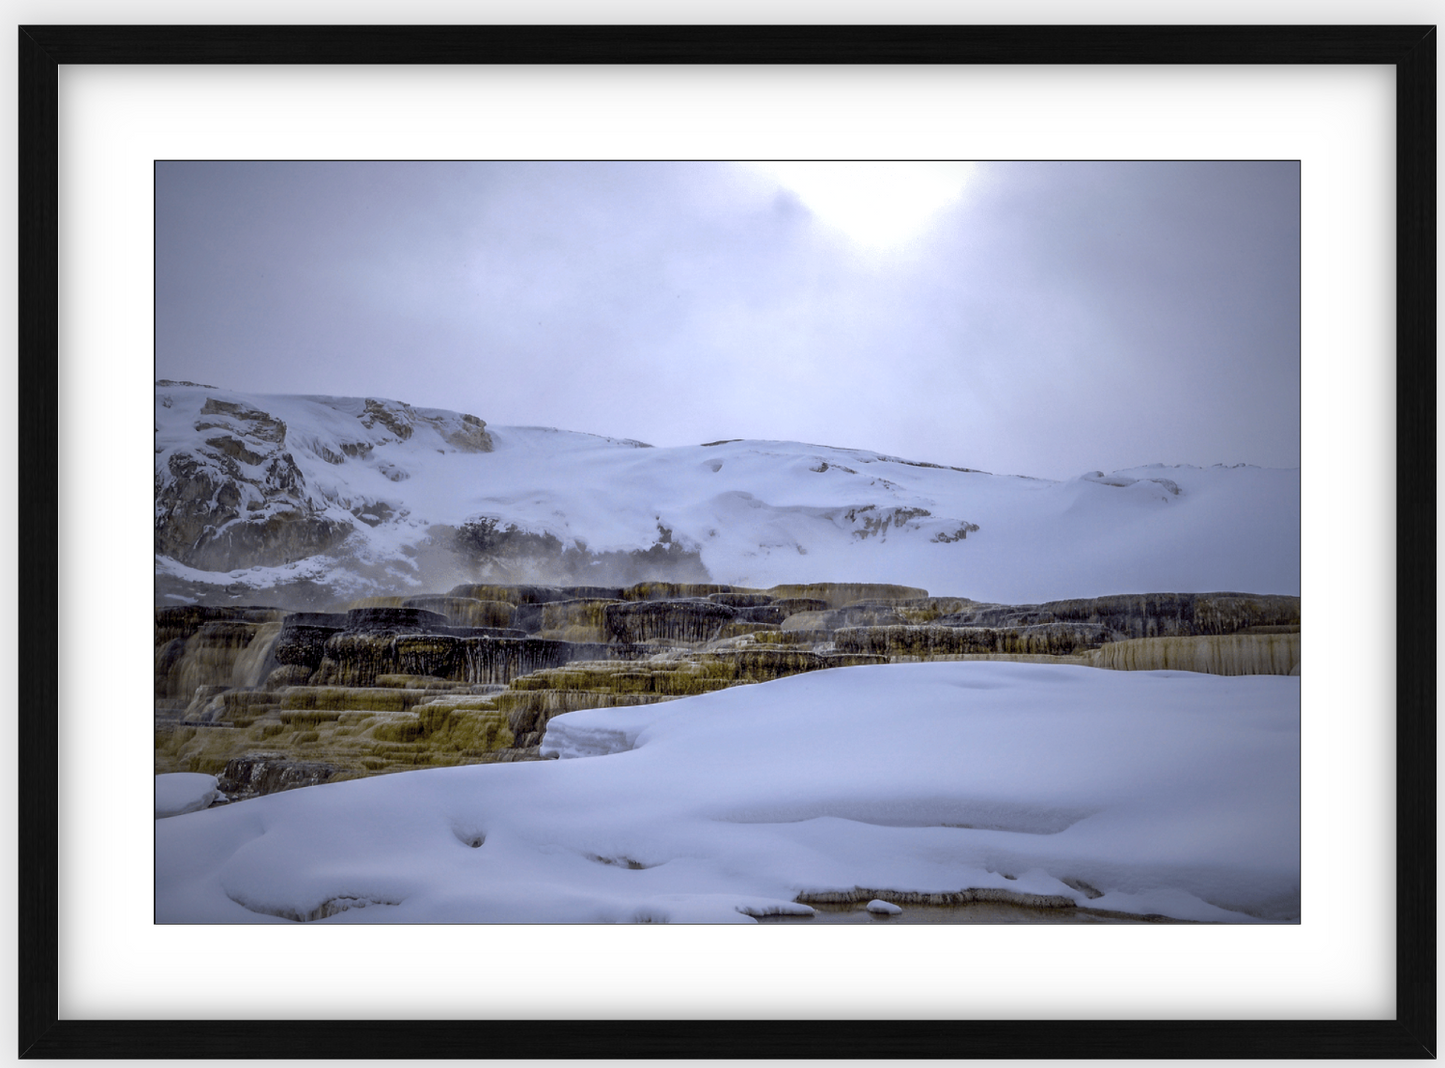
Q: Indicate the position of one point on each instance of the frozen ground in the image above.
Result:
(1143, 792)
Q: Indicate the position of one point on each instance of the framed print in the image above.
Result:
(698, 93)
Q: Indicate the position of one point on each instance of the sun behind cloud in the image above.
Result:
(879, 204)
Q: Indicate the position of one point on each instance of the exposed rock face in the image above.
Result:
(184, 620)
(1214, 654)
(304, 645)
(583, 620)
(395, 421)
(268, 774)
(856, 615)
(930, 642)
(528, 711)
(742, 600)
(693, 620)
(500, 660)
(465, 611)
(673, 591)
(840, 594)
(1149, 615)
(764, 665)
(239, 499)
(793, 605)
(216, 653)
(232, 484)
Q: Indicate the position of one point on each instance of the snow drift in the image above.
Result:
(1150, 792)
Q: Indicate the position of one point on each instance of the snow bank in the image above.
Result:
(1144, 792)
(182, 792)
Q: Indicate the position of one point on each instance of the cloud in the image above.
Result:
(1048, 319)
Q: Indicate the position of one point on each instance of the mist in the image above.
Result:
(1042, 319)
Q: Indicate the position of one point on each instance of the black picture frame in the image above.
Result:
(1409, 49)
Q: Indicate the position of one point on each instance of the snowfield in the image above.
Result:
(1139, 792)
(757, 513)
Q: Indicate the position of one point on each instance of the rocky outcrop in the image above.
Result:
(764, 665)
(465, 611)
(582, 620)
(269, 773)
(857, 615)
(1213, 654)
(692, 620)
(303, 643)
(219, 652)
(181, 621)
(1146, 615)
(673, 591)
(236, 487)
(933, 642)
(529, 711)
(238, 498)
(394, 421)
(841, 594)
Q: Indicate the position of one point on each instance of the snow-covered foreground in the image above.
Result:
(1170, 792)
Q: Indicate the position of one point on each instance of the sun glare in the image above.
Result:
(879, 204)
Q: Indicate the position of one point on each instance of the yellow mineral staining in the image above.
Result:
(736, 629)
(236, 708)
(576, 621)
(288, 675)
(675, 678)
(253, 661)
(1225, 613)
(350, 698)
(934, 643)
(210, 657)
(418, 682)
(464, 611)
(555, 702)
(1215, 654)
(689, 622)
(669, 591)
(926, 609)
(359, 739)
(439, 655)
(464, 730)
(792, 637)
(764, 665)
(201, 749)
(528, 711)
(841, 594)
(358, 659)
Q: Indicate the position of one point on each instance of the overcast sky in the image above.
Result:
(1023, 318)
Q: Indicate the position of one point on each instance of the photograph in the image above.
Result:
(876, 542)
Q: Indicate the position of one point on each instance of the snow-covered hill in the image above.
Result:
(286, 499)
